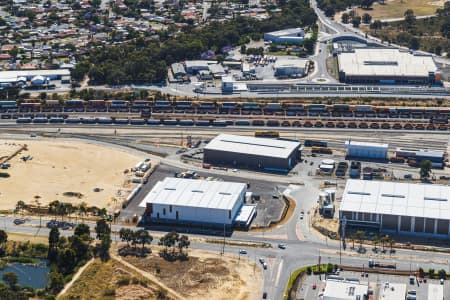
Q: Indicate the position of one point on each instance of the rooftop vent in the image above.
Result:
(393, 196)
(435, 199)
(358, 193)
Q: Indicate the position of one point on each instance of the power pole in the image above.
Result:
(223, 246)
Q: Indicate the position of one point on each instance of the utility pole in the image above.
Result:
(223, 246)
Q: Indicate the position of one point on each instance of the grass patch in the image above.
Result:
(21, 237)
(397, 8)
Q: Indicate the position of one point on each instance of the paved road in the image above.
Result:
(303, 247)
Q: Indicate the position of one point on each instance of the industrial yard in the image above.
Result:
(44, 173)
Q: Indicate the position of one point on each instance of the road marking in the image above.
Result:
(280, 267)
(298, 232)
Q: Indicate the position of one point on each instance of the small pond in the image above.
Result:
(34, 275)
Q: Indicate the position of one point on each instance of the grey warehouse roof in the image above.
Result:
(394, 198)
(385, 62)
(195, 193)
(252, 145)
(290, 63)
(287, 32)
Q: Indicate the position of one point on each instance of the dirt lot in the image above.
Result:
(59, 166)
(205, 275)
(111, 280)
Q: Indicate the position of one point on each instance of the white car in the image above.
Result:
(242, 251)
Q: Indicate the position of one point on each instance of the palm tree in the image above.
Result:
(82, 209)
(384, 240)
(360, 235)
(20, 206)
(353, 238)
(375, 242)
(391, 243)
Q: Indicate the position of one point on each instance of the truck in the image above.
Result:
(377, 264)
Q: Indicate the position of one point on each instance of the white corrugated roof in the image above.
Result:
(344, 290)
(252, 145)
(365, 144)
(385, 62)
(395, 198)
(195, 193)
(392, 291)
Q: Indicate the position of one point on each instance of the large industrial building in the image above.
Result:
(386, 66)
(290, 67)
(22, 76)
(197, 202)
(401, 208)
(252, 153)
(288, 36)
(357, 149)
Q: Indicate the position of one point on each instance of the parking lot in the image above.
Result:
(269, 206)
(314, 285)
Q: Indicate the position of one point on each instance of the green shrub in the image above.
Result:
(421, 273)
(4, 175)
(309, 270)
(124, 280)
(109, 291)
(442, 274)
(431, 273)
(135, 280)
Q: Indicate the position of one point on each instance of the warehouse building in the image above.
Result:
(195, 66)
(437, 158)
(401, 208)
(387, 66)
(252, 153)
(15, 77)
(229, 85)
(288, 36)
(178, 70)
(291, 67)
(196, 202)
(366, 150)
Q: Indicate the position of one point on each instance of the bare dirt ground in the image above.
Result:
(58, 167)
(111, 280)
(205, 275)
